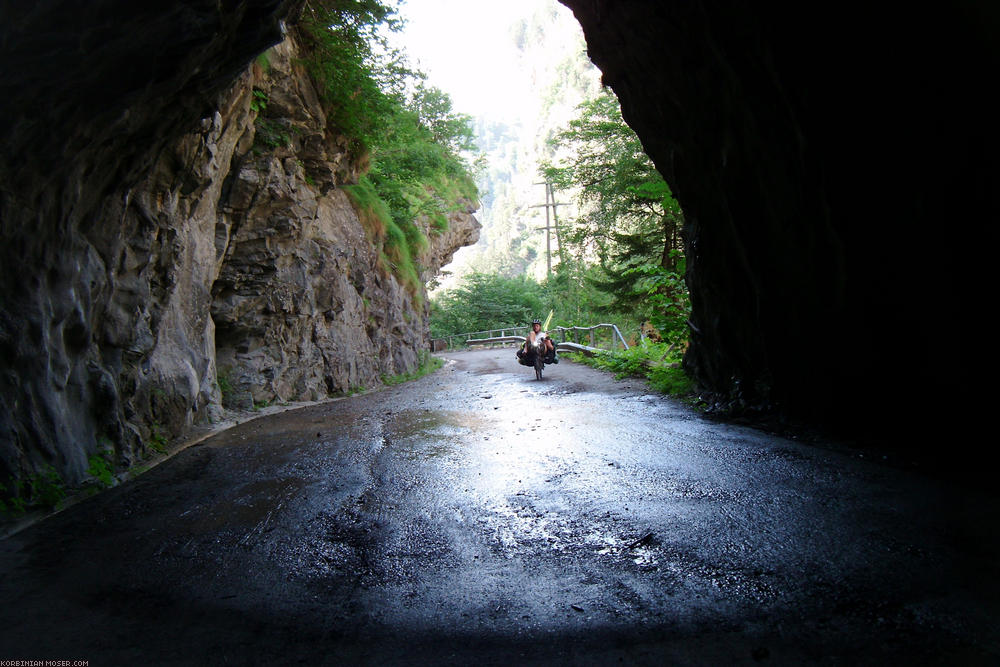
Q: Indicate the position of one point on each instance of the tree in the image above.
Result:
(486, 301)
(449, 129)
(359, 77)
(630, 222)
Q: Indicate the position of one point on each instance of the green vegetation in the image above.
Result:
(481, 302)
(99, 469)
(47, 488)
(620, 258)
(658, 363)
(270, 133)
(426, 364)
(417, 166)
(486, 301)
(264, 61)
(405, 131)
(630, 221)
(157, 439)
(259, 101)
(100, 466)
(225, 385)
(399, 243)
(13, 503)
(358, 75)
(44, 489)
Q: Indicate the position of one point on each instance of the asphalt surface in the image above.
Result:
(478, 516)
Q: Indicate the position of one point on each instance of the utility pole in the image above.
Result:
(550, 202)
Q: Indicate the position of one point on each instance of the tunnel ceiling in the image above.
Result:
(105, 85)
(837, 168)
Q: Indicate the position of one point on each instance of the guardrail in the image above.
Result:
(616, 334)
(503, 334)
(561, 343)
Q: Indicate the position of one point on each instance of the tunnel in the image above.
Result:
(837, 166)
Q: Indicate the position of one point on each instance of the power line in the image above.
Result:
(550, 202)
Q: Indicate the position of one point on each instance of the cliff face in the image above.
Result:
(225, 254)
(301, 306)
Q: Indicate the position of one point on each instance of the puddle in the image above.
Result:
(425, 435)
(255, 505)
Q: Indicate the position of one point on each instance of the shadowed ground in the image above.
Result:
(478, 515)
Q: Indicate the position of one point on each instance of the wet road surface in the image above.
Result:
(479, 516)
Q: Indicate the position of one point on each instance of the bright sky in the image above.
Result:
(465, 48)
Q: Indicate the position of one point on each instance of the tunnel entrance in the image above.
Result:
(809, 157)
(836, 178)
(819, 161)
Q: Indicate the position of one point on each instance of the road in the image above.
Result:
(478, 516)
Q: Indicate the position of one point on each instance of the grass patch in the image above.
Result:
(157, 439)
(100, 469)
(225, 386)
(372, 211)
(44, 489)
(658, 363)
(439, 222)
(398, 241)
(427, 363)
(671, 380)
(47, 488)
(264, 61)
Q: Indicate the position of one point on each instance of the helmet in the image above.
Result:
(536, 321)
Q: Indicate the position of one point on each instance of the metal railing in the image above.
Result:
(566, 337)
(498, 336)
(572, 332)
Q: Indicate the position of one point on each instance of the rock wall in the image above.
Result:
(836, 166)
(171, 244)
(302, 306)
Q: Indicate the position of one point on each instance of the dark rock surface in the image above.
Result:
(302, 305)
(93, 97)
(838, 169)
(151, 238)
